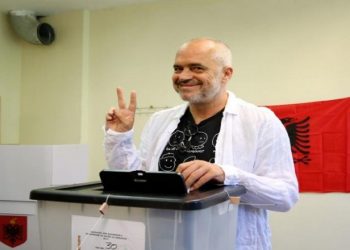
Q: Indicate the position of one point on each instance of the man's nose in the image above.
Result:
(185, 75)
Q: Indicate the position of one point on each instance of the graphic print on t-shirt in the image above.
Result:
(191, 142)
(168, 162)
(191, 147)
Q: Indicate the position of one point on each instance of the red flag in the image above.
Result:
(320, 138)
(13, 230)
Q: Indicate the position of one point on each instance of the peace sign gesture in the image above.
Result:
(122, 119)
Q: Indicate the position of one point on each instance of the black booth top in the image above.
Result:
(93, 193)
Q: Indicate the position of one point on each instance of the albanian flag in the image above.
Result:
(13, 230)
(319, 133)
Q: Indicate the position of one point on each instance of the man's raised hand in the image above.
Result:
(121, 119)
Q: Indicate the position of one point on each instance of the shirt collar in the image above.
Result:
(231, 105)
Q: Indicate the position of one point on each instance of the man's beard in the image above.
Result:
(204, 96)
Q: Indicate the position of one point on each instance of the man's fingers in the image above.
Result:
(183, 166)
(111, 114)
(121, 101)
(121, 118)
(197, 173)
(132, 105)
(194, 179)
(191, 171)
(205, 177)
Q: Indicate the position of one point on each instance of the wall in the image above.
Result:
(284, 52)
(52, 85)
(10, 83)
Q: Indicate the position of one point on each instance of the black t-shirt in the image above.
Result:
(191, 142)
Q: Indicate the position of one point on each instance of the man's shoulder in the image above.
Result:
(251, 108)
(252, 113)
(176, 110)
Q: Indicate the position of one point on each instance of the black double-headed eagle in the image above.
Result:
(299, 135)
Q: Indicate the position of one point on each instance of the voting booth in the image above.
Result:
(70, 218)
(24, 168)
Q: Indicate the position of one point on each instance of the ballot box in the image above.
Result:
(203, 219)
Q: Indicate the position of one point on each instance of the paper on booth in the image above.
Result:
(91, 233)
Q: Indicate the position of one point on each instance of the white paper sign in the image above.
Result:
(92, 233)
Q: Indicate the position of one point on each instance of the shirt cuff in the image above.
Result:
(231, 175)
(112, 132)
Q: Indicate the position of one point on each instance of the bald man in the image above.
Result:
(213, 137)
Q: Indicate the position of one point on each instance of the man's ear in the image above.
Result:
(227, 74)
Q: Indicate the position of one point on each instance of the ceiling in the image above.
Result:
(47, 7)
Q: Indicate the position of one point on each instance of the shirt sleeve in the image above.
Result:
(272, 183)
(120, 151)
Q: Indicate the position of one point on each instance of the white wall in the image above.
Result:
(52, 85)
(318, 221)
(284, 52)
(10, 83)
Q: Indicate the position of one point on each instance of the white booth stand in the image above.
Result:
(24, 168)
(69, 216)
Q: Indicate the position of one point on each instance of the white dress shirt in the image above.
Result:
(252, 148)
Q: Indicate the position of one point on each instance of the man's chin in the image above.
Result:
(193, 99)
